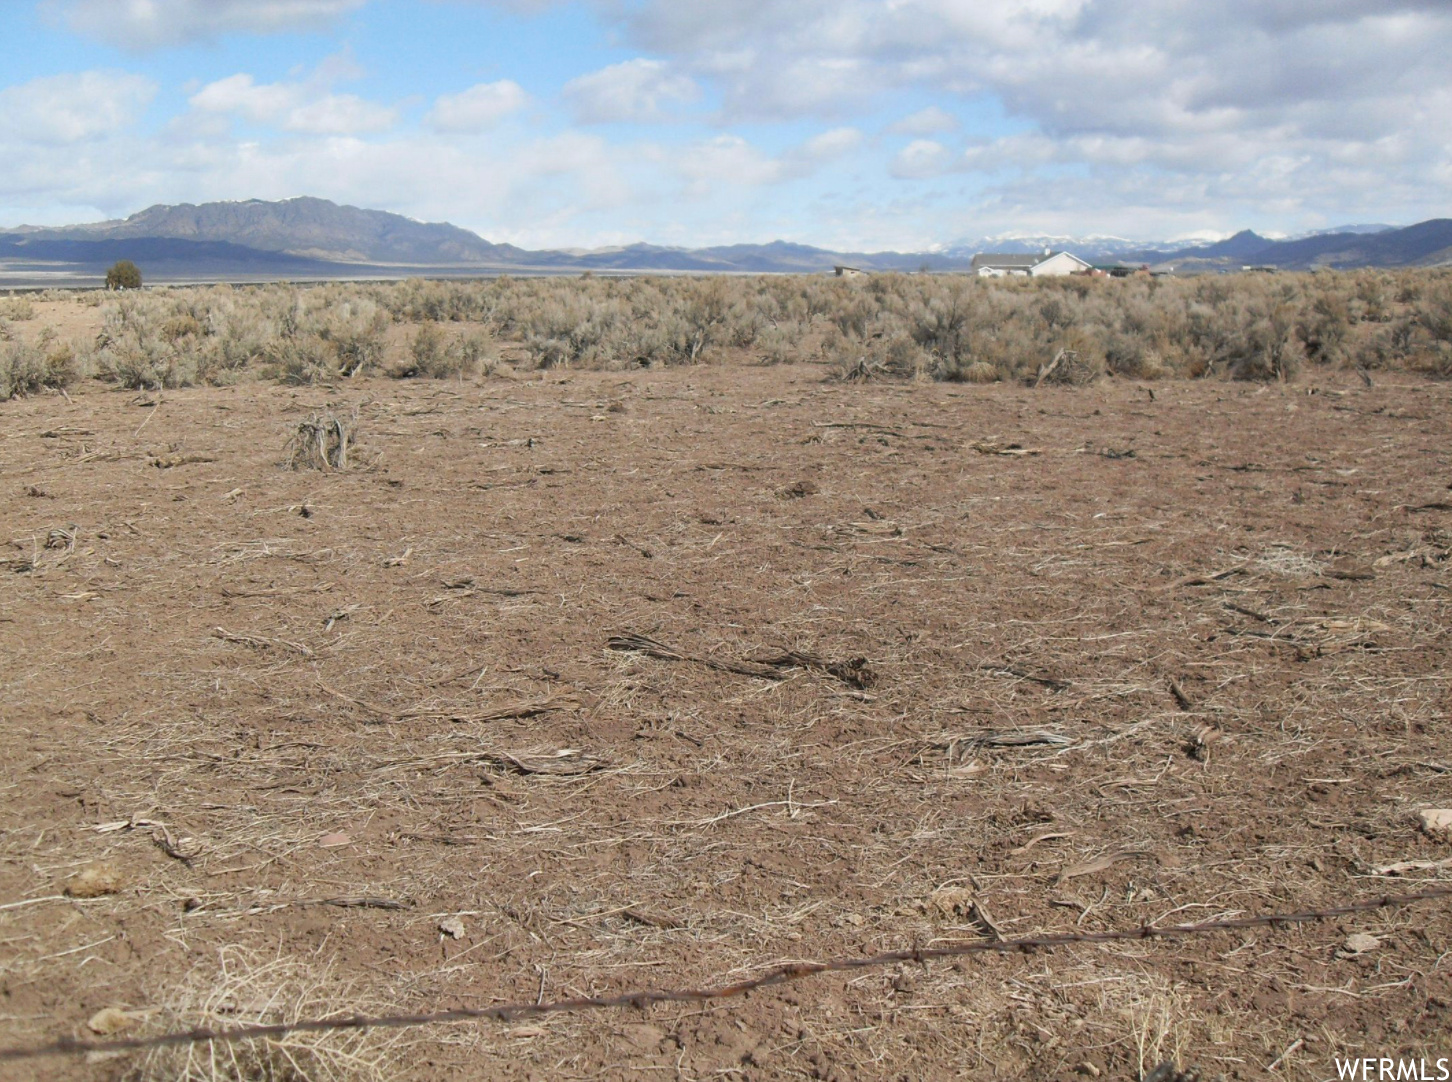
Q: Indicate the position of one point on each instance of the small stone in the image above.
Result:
(109, 1020)
(1360, 943)
(647, 1038)
(95, 880)
(1436, 822)
(334, 840)
(452, 927)
(945, 903)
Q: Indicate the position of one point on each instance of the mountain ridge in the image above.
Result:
(311, 236)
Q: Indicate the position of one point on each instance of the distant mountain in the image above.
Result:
(1424, 244)
(1097, 248)
(1242, 245)
(307, 227)
(307, 237)
(1365, 228)
(319, 237)
(774, 258)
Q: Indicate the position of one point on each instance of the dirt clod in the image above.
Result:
(110, 1020)
(1437, 822)
(96, 880)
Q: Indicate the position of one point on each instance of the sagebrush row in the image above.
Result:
(893, 325)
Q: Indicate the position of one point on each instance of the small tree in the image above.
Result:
(123, 275)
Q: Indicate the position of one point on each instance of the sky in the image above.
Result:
(850, 124)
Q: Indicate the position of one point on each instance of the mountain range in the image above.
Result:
(314, 238)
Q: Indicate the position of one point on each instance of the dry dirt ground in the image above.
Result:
(1184, 656)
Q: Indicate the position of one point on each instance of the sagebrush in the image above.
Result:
(946, 327)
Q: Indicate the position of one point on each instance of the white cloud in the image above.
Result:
(922, 158)
(62, 109)
(831, 144)
(729, 161)
(1117, 89)
(148, 24)
(925, 122)
(480, 107)
(818, 151)
(638, 91)
(723, 160)
(1132, 116)
(558, 190)
(295, 107)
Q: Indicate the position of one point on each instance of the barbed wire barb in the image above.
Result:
(640, 999)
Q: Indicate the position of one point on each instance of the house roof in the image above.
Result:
(1015, 260)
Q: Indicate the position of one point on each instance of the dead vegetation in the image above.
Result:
(946, 327)
(1129, 660)
(239, 988)
(321, 441)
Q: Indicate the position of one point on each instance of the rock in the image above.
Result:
(452, 927)
(109, 1020)
(95, 880)
(332, 841)
(1360, 943)
(644, 1037)
(1437, 822)
(946, 903)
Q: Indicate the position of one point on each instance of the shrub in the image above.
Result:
(886, 354)
(148, 364)
(1070, 368)
(780, 343)
(1323, 328)
(434, 355)
(18, 309)
(1265, 348)
(22, 370)
(26, 369)
(300, 359)
(123, 274)
(179, 327)
(891, 325)
(1434, 312)
(1134, 357)
(978, 372)
(356, 333)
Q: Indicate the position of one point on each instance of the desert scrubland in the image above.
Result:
(374, 648)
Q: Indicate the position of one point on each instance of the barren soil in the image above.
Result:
(1185, 656)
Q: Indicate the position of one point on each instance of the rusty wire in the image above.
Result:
(643, 998)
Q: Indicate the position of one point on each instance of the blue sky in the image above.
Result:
(854, 124)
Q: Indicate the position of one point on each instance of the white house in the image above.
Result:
(1035, 266)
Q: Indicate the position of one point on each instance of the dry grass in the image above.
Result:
(237, 989)
(948, 327)
(322, 441)
(413, 702)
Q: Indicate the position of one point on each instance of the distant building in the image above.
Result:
(1123, 270)
(849, 272)
(1038, 265)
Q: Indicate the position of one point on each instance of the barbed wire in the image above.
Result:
(642, 998)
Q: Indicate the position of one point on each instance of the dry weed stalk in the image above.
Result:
(241, 989)
(320, 442)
